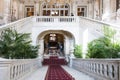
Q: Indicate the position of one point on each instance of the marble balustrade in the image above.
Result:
(17, 69)
(100, 69)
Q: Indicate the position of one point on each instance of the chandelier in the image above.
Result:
(52, 37)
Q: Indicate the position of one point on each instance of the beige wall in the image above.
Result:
(93, 8)
(1, 7)
(113, 6)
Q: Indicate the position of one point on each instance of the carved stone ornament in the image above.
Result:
(118, 13)
(48, 0)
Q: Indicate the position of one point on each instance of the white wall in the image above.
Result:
(79, 3)
(1, 7)
(39, 28)
(82, 31)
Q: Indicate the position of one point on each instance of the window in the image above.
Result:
(82, 11)
(29, 10)
(44, 12)
(44, 6)
(55, 9)
(52, 37)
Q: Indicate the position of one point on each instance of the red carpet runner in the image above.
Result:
(56, 72)
(54, 60)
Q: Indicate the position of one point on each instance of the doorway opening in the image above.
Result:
(54, 44)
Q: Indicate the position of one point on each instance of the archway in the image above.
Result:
(51, 40)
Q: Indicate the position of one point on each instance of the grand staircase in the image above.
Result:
(55, 71)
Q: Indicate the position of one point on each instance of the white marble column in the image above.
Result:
(113, 6)
(101, 9)
(74, 8)
(17, 9)
(7, 14)
(85, 42)
(66, 50)
(96, 9)
(106, 10)
(91, 12)
(40, 8)
(67, 46)
(20, 10)
(41, 44)
(71, 46)
(36, 8)
(1, 8)
(113, 10)
(70, 7)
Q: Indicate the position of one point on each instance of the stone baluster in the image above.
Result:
(110, 71)
(106, 70)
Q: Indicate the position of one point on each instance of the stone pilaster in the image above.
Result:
(96, 9)
(113, 6)
(41, 43)
(36, 7)
(40, 8)
(20, 10)
(106, 10)
(90, 8)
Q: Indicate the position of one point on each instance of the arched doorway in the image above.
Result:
(54, 44)
(56, 38)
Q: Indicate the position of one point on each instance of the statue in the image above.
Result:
(118, 14)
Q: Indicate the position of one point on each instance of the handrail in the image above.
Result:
(17, 25)
(102, 22)
(15, 22)
(96, 27)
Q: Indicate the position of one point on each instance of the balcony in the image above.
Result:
(46, 21)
